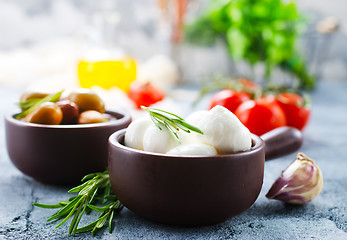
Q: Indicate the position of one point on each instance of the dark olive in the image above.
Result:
(70, 111)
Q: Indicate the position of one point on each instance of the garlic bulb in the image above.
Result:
(299, 183)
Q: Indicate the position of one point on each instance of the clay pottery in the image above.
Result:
(60, 154)
(194, 190)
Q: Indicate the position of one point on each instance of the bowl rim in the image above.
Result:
(124, 117)
(113, 140)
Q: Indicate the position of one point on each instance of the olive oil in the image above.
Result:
(107, 73)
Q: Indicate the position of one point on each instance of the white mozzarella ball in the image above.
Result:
(223, 130)
(193, 149)
(193, 137)
(135, 132)
(196, 117)
(158, 141)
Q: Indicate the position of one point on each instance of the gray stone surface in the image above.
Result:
(323, 218)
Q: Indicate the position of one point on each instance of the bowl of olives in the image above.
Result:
(58, 140)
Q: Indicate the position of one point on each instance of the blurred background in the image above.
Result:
(59, 43)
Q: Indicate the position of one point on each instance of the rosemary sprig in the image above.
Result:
(171, 121)
(30, 105)
(107, 212)
(97, 186)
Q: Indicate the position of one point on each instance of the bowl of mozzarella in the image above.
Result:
(202, 179)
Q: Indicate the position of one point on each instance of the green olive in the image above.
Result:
(87, 100)
(92, 116)
(32, 95)
(47, 113)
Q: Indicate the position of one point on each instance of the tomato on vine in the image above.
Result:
(261, 115)
(144, 94)
(229, 99)
(295, 108)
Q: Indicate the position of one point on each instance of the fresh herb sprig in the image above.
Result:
(97, 187)
(30, 105)
(171, 121)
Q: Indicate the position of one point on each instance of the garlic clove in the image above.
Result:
(299, 183)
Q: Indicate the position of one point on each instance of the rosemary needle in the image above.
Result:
(97, 186)
(171, 121)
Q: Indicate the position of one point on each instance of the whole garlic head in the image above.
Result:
(299, 183)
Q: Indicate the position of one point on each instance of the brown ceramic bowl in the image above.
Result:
(60, 154)
(193, 190)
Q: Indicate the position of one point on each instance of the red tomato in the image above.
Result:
(229, 99)
(144, 94)
(297, 114)
(261, 115)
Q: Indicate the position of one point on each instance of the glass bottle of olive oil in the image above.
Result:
(104, 63)
(107, 73)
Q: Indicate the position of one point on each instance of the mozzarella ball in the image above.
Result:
(192, 137)
(196, 117)
(223, 130)
(135, 132)
(158, 141)
(193, 149)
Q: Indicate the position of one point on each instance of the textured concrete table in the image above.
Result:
(324, 218)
